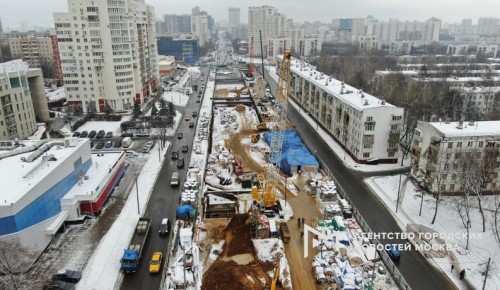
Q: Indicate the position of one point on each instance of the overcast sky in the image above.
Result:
(39, 12)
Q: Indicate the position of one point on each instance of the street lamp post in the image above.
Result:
(286, 178)
(399, 189)
(137, 195)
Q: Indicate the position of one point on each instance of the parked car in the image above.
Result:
(92, 134)
(84, 134)
(174, 155)
(91, 144)
(164, 226)
(76, 134)
(108, 144)
(66, 275)
(117, 144)
(147, 147)
(131, 154)
(127, 134)
(99, 145)
(394, 253)
(179, 135)
(109, 134)
(184, 148)
(155, 263)
(100, 134)
(58, 285)
(142, 134)
(180, 163)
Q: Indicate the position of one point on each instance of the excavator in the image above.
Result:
(276, 276)
(264, 194)
(238, 91)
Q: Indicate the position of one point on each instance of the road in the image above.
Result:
(416, 270)
(164, 199)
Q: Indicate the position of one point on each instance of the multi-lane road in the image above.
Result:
(164, 198)
(416, 270)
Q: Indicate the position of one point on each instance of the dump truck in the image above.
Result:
(132, 255)
(284, 232)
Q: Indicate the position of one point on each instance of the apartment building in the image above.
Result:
(400, 47)
(173, 23)
(457, 49)
(108, 53)
(395, 30)
(439, 147)
(22, 100)
(265, 20)
(310, 46)
(368, 43)
(276, 46)
(367, 127)
(487, 50)
(36, 51)
(199, 28)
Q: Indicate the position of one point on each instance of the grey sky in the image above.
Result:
(39, 12)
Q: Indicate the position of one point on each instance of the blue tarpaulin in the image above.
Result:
(185, 211)
(294, 153)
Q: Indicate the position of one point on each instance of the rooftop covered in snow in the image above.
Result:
(348, 94)
(479, 128)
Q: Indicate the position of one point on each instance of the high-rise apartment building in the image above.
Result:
(199, 28)
(36, 51)
(108, 53)
(173, 23)
(234, 17)
(488, 26)
(395, 30)
(267, 21)
(22, 100)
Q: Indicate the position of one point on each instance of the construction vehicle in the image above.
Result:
(262, 127)
(263, 194)
(238, 165)
(276, 276)
(132, 255)
(255, 137)
(238, 92)
(284, 232)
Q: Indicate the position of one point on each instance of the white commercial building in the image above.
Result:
(50, 182)
(367, 127)
(438, 149)
(108, 53)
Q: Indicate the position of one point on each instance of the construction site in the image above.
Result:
(260, 186)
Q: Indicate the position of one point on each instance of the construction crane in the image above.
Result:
(277, 125)
(250, 62)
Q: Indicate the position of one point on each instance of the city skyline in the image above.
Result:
(14, 12)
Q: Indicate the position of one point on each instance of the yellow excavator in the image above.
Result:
(276, 276)
(263, 193)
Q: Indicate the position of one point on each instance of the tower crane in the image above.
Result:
(277, 126)
(250, 62)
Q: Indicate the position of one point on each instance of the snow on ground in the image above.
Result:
(38, 133)
(348, 161)
(448, 221)
(272, 250)
(216, 250)
(176, 97)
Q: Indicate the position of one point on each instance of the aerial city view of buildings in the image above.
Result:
(151, 145)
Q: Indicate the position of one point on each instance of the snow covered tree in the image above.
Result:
(16, 267)
(136, 111)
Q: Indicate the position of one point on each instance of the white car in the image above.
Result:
(131, 154)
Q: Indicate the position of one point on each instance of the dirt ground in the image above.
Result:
(226, 273)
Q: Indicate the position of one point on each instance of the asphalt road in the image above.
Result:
(418, 273)
(164, 200)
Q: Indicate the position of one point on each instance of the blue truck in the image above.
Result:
(132, 255)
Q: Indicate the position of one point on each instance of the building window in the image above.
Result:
(391, 154)
(450, 145)
(469, 144)
(452, 186)
(480, 144)
(396, 118)
(369, 128)
(369, 118)
(366, 155)
(459, 144)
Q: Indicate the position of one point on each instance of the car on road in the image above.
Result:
(67, 275)
(117, 143)
(194, 114)
(108, 144)
(109, 134)
(164, 226)
(100, 134)
(174, 155)
(92, 134)
(198, 100)
(179, 135)
(394, 253)
(184, 148)
(187, 118)
(147, 147)
(84, 134)
(76, 134)
(92, 144)
(191, 124)
(58, 285)
(99, 145)
(155, 263)
(180, 163)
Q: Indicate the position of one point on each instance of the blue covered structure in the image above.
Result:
(294, 156)
(185, 212)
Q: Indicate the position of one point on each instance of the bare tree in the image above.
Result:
(466, 180)
(496, 219)
(16, 264)
(438, 166)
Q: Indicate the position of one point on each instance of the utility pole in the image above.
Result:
(262, 53)
(487, 270)
(399, 189)
(137, 194)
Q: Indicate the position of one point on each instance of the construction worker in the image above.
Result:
(298, 222)
(302, 234)
(303, 221)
